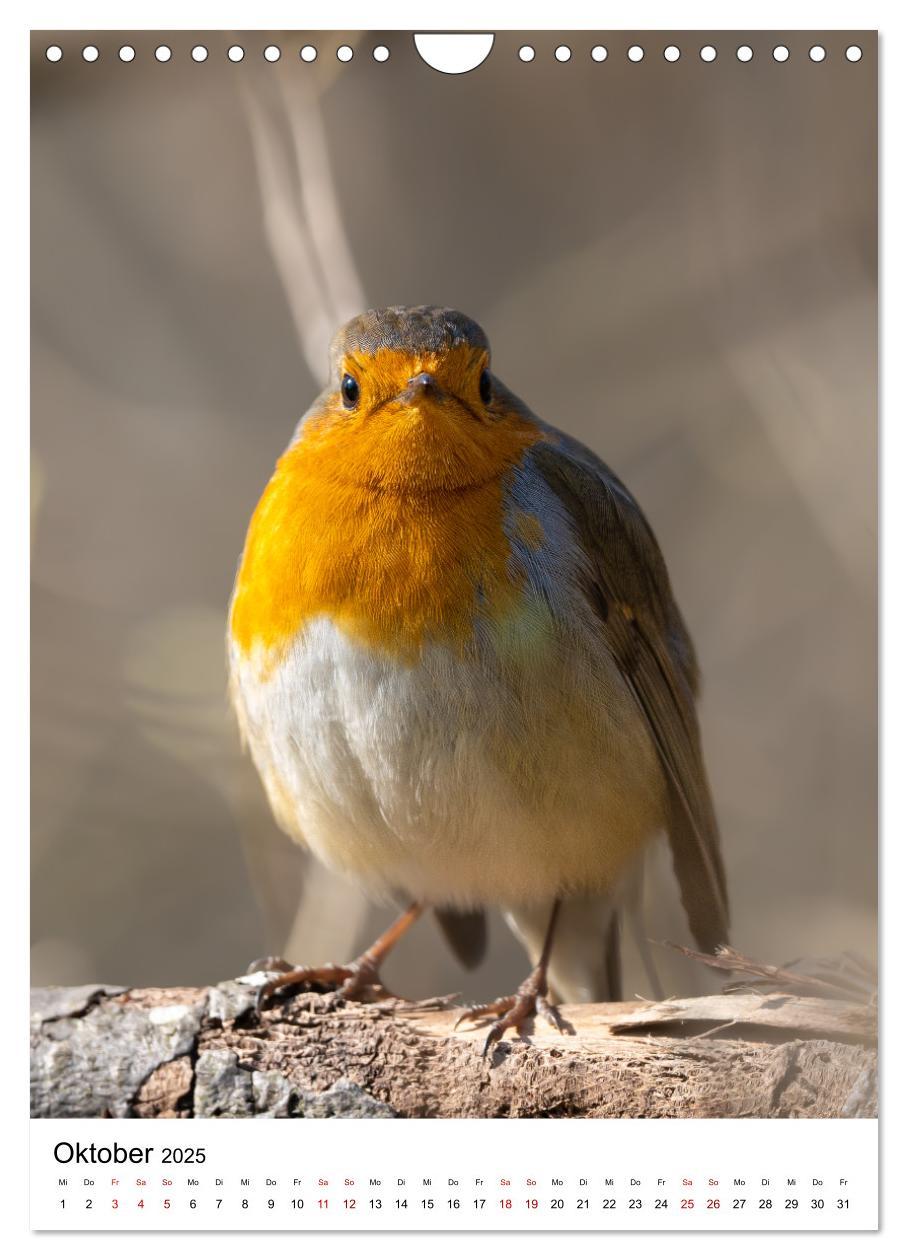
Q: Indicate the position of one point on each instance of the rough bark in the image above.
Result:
(106, 1051)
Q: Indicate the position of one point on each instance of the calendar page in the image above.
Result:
(453, 628)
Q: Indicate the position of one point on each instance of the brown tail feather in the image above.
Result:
(465, 932)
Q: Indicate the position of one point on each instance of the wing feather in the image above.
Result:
(628, 589)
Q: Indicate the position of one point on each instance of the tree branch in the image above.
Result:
(104, 1051)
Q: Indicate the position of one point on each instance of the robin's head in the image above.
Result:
(413, 406)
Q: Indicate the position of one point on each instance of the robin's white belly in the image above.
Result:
(504, 777)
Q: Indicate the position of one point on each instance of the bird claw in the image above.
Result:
(510, 1012)
(359, 978)
(550, 1014)
(349, 982)
(481, 1010)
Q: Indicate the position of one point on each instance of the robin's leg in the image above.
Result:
(352, 979)
(530, 999)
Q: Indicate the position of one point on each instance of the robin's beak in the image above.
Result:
(418, 387)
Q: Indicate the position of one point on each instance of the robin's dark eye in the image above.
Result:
(349, 391)
(485, 386)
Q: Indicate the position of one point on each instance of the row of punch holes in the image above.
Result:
(526, 53)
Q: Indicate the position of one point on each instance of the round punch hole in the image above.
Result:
(672, 53)
(635, 53)
(780, 53)
(381, 53)
(127, 53)
(162, 53)
(745, 53)
(562, 53)
(235, 53)
(54, 53)
(853, 53)
(708, 53)
(90, 53)
(308, 53)
(345, 53)
(199, 53)
(599, 52)
(272, 53)
(526, 52)
(817, 53)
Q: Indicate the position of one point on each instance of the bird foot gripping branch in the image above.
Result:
(530, 999)
(351, 980)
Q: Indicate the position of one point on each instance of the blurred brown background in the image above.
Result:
(676, 263)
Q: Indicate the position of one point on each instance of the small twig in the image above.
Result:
(708, 1032)
(727, 959)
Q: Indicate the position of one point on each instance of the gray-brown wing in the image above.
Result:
(628, 587)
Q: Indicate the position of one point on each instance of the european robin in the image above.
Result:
(460, 670)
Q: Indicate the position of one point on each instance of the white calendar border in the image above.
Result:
(473, 15)
(169, 14)
(502, 1164)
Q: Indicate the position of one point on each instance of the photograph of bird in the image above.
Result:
(458, 665)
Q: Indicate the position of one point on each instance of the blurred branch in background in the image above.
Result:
(314, 260)
(301, 212)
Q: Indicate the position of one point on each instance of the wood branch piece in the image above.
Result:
(107, 1051)
(787, 1013)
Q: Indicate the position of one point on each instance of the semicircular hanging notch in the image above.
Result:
(456, 53)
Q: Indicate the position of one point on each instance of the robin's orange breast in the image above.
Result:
(391, 565)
